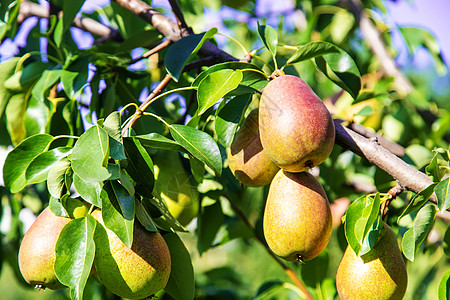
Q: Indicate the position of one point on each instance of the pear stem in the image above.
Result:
(289, 272)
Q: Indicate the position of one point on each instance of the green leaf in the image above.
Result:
(342, 70)
(7, 68)
(47, 80)
(442, 192)
(312, 50)
(418, 200)
(444, 286)
(182, 50)
(164, 220)
(334, 62)
(15, 116)
(181, 284)
(228, 117)
(38, 169)
(140, 166)
(414, 236)
(22, 79)
(315, 271)
(362, 223)
(74, 75)
(75, 251)
(90, 155)
(57, 208)
(57, 178)
(112, 126)
(197, 168)
(269, 37)
(119, 221)
(215, 86)
(20, 158)
(158, 141)
(89, 190)
(70, 10)
(253, 78)
(416, 38)
(446, 242)
(199, 144)
(432, 169)
(209, 222)
(144, 218)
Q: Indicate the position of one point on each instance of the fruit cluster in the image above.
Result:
(291, 132)
(133, 273)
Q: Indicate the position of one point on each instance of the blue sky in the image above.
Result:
(432, 15)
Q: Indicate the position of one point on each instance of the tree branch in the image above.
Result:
(29, 9)
(170, 29)
(373, 38)
(406, 175)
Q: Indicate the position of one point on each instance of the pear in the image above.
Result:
(177, 191)
(296, 129)
(246, 157)
(37, 251)
(379, 274)
(297, 220)
(132, 273)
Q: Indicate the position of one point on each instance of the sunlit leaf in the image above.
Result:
(90, 155)
(432, 169)
(47, 80)
(444, 287)
(269, 37)
(88, 190)
(414, 237)
(38, 169)
(57, 178)
(113, 217)
(442, 191)
(18, 160)
(158, 141)
(112, 126)
(418, 200)
(75, 251)
(215, 86)
(199, 144)
(74, 75)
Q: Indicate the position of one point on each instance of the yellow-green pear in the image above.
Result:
(37, 251)
(379, 274)
(297, 218)
(176, 188)
(246, 157)
(133, 273)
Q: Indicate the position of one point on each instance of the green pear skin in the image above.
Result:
(297, 220)
(379, 274)
(296, 129)
(246, 157)
(132, 273)
(176, 188)
(37, 251)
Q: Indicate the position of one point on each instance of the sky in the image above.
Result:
(432, 15)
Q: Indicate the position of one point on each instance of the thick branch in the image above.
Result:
(406, 175)
(170, 29)
(376, 44)
(29, 9)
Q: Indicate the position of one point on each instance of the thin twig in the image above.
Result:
(378, 47)
(29, 9)
(286, 269)
(176, 9)
(152, 51)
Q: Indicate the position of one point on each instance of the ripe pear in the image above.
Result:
(296, 129)
(246, 157)
(379, 274)
(37, 251)
(297, 218)
(132, 273)
(177, 191)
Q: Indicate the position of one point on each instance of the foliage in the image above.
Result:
(68, 112)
